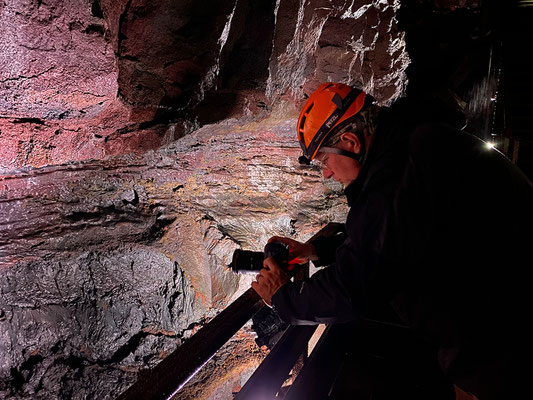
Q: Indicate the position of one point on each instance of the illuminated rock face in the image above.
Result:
(141, 143)
(109, 264)
(164, 136)
(90, 79)
(82, 326)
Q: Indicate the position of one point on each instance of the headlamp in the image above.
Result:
(303, 160)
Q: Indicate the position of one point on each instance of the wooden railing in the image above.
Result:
(172, 373)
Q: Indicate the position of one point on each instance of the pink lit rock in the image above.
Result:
(141, 143)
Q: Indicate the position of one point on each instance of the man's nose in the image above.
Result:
(327, 173)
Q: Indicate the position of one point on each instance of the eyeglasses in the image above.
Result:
(320, 161)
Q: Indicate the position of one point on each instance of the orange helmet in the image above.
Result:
(326, 110)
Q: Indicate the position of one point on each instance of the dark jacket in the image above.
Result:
(438, 228)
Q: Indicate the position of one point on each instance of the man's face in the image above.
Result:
(340, 168)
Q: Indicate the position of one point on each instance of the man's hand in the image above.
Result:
(269, 280)
(299, 253)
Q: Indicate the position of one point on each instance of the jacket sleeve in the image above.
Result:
(325, 247)
(339, 292)
(322, 298)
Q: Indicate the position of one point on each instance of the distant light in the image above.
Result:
(490, 145)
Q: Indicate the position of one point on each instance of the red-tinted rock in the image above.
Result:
(164, 135)
(174, 65)
(55, 62)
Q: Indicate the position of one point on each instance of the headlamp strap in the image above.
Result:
(341, 152)
(342, 106)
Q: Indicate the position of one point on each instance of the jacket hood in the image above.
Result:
(388, 152)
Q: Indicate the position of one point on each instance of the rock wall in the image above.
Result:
(89, 79)
(82, 326)
(107, 265)
(141, 143)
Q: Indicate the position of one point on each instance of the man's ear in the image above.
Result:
(350, 142)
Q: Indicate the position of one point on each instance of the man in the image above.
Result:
(438, 229)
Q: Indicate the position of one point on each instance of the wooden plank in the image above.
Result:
(275, 368)
(172, 373)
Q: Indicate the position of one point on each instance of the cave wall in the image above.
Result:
(89, 79)
(57, 84)
(141, 143)
(110, 264)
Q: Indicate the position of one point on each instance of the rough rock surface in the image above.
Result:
(355, 42)
(58, 88)
(96, 78)
(80, 327)
(54, 60)
(106, 264)
(163, 135)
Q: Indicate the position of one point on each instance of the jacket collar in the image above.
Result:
(387, 154)
(368, 169)
(353, 190)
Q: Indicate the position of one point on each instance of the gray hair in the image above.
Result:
(366, 119)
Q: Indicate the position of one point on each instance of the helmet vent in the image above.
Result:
(304, 117)
(302, 123)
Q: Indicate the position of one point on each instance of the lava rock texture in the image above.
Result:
(107, 265)
(88, 79)
(141, 143)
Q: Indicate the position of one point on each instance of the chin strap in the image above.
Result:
(358, 130)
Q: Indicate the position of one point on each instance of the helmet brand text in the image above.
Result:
(332, 120)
